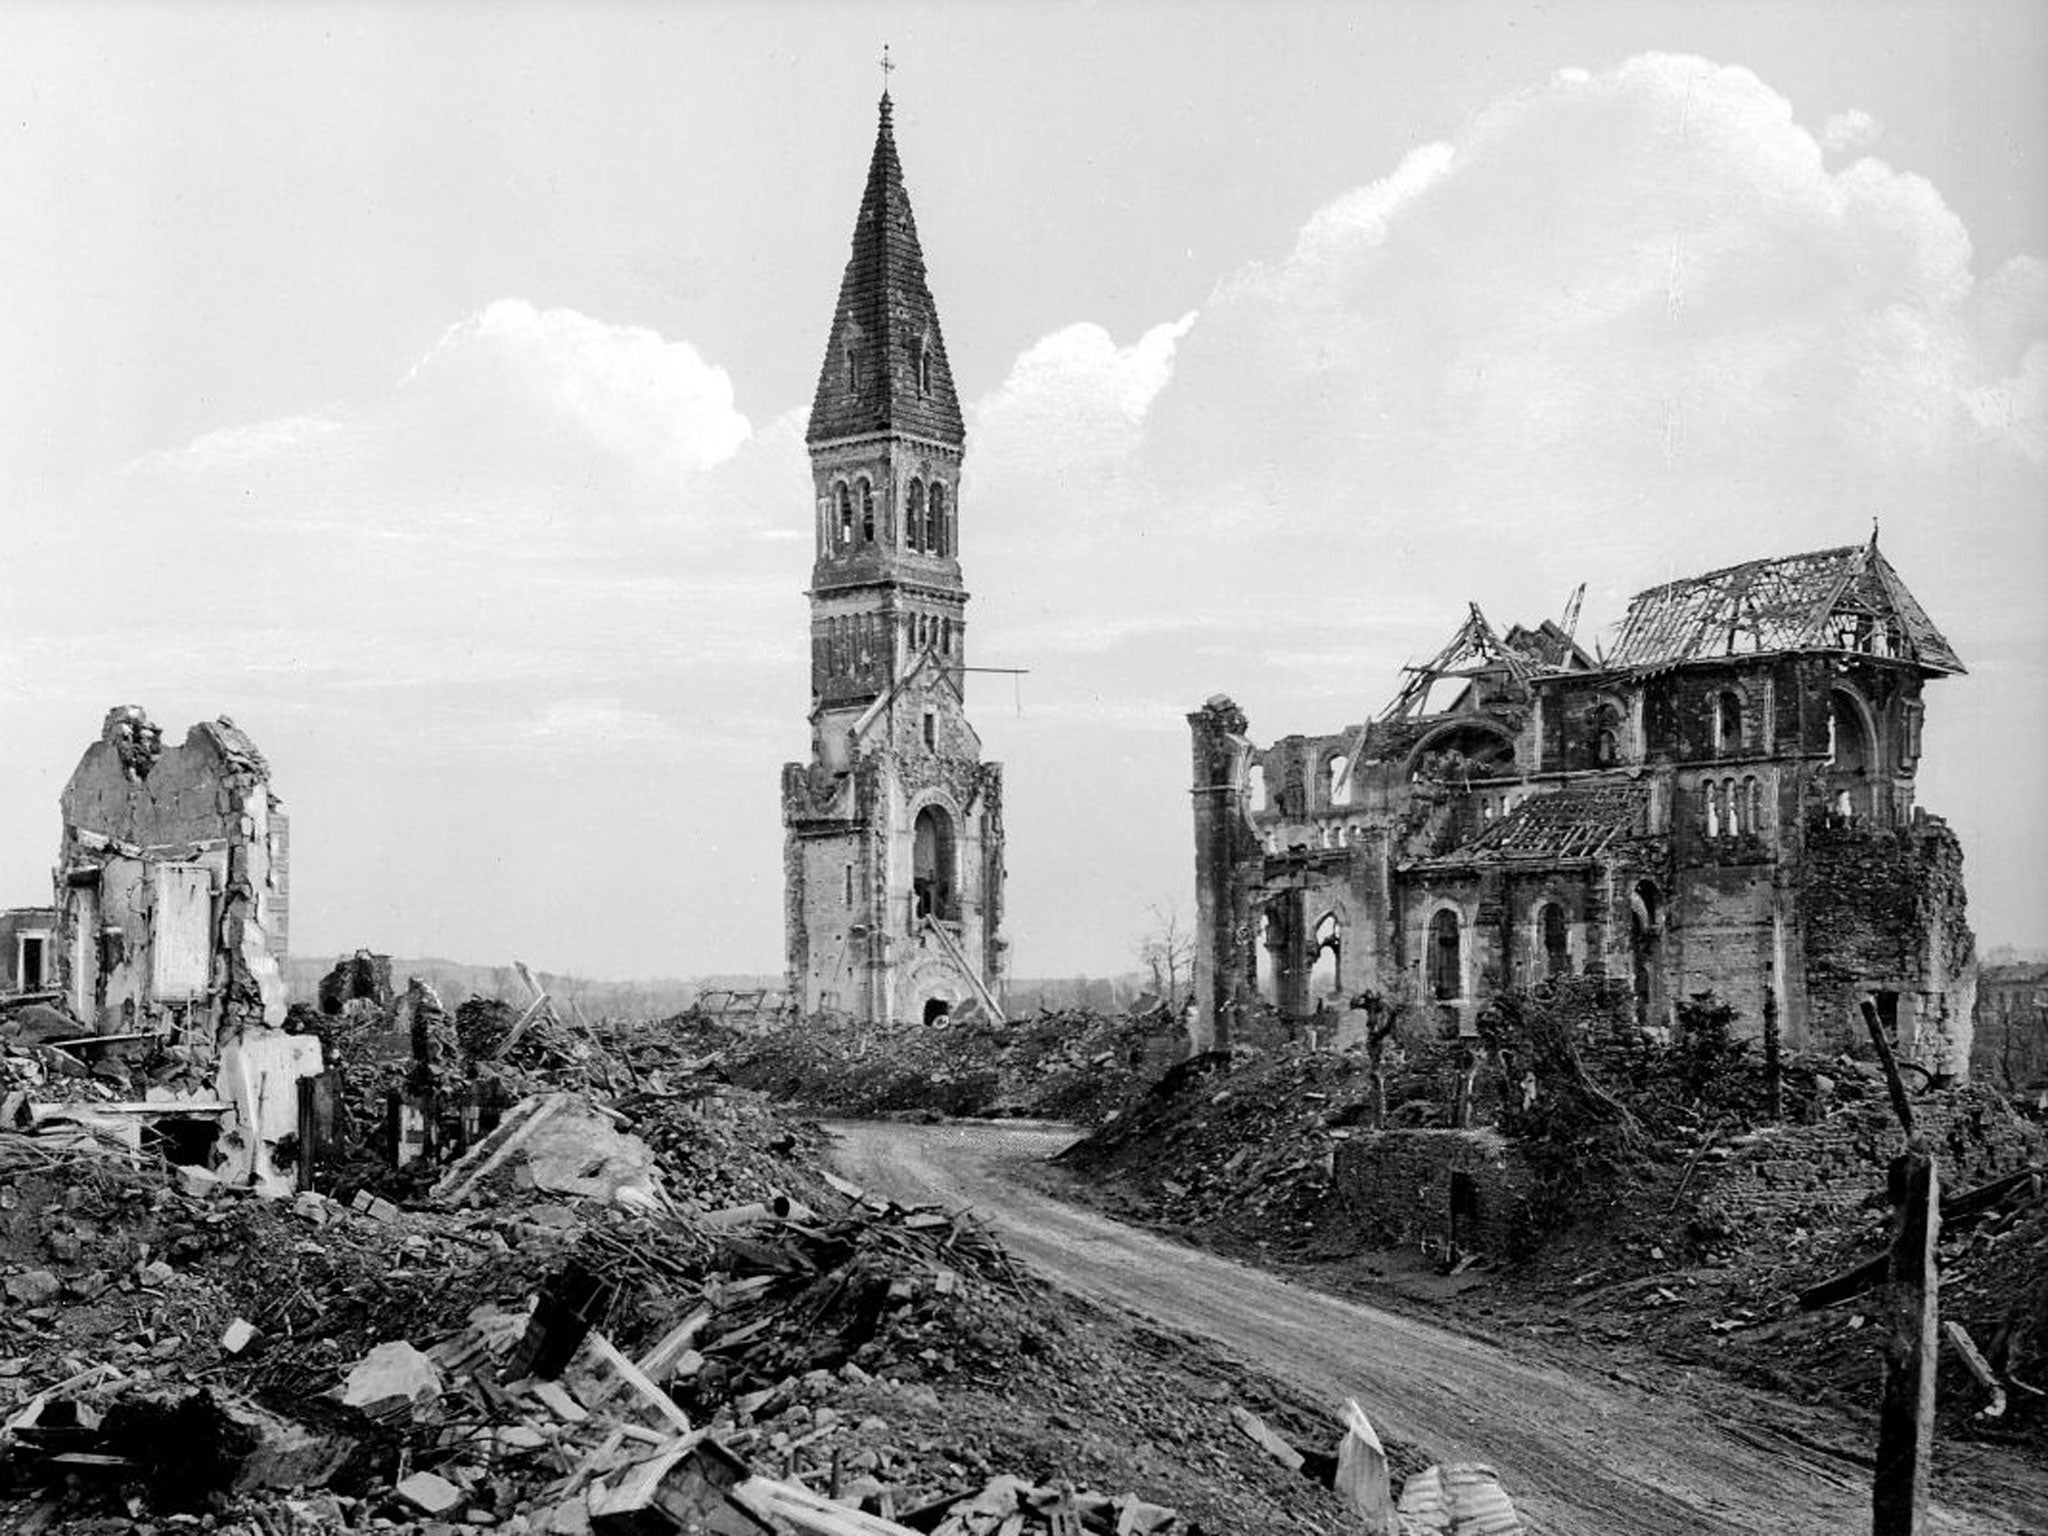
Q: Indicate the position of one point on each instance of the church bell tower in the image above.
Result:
(893, 830)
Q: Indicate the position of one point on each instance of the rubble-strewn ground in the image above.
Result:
(1067, 1065)
(1651, 1251)
(897, 1357)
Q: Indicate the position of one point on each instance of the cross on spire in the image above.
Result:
(888, 69)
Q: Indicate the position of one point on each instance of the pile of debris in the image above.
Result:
(553, 1277)
(1071, 1064)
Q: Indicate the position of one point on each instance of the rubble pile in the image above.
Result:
(583, 1287)
(1239, 1144)
(1695, 1223)
(1072, 1064)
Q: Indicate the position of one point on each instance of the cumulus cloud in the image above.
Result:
(1628, 324)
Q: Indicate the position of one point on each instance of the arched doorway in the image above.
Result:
(932, 866)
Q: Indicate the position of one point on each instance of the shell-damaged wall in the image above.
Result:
(1741, 824)
(172, 884)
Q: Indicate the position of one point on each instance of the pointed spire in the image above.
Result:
(885, 364)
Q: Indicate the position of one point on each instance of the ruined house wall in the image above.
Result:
(1400, 1184)
(32, 924)
(166, 869)
(1789, 1175)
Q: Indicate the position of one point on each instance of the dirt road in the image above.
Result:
(1582, 1455)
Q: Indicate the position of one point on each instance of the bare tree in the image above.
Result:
(1168, 952)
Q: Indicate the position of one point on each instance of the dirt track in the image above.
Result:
(1582, 1456)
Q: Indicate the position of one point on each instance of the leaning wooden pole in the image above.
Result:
(1905, 1431)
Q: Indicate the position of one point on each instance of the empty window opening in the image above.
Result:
(1550, 928)
(1257, 782)
(1326, 976)
(1710, 799)
(1446, 958)
(914, 532)
(932, 862)
(1753, 806)
(867, 513)
(1646, 940)
(937, 1011)
(184, 1141)
(1732, 798)
(32, 965)
(937, 535)
(1727, 725)
(1606, 736)
(931, 729)
(946, 637)
(1340, 780)
(1888, 1014)
(843, 532)
(924, 366)
(854, 371)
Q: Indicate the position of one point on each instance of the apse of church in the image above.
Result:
(893, 849)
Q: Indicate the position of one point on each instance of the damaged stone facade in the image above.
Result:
(1723, 802)
(893, 854)
(172, 885)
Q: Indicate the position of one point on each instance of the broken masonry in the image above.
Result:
(1722, 802)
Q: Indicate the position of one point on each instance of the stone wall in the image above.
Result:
(1790, 1175)
(1885, 911)
(1400, 1184)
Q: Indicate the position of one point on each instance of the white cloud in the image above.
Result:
(1628, 324)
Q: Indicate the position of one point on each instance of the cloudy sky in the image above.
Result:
(423, 388)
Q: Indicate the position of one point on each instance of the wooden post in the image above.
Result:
(1905, 1428)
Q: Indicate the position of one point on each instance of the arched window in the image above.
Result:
(1550, 931)
(1733, 801)
(1257, 780)
(914, 534)
(854, 370)
(1753, 803)
(1727, 724)
(1326, 972)
(938, 536)
(867, 512)
(1606, 736)
(945, 637)
(1710, 799)
(843, 534)
(931, 880)
(924, 366)
(1339, 768)
(1446, 959)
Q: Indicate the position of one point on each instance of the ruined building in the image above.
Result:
(894, 834)
(1724, 802)
(172, 884)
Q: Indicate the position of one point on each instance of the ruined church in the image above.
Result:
(1723, 802)
(893, 831)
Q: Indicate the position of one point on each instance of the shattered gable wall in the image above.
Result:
(171, 883)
